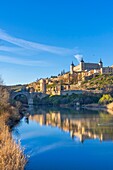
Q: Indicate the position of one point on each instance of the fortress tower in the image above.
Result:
(72, 68)
(82, 65)
(100, 63)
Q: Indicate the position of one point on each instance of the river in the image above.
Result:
(66, 139)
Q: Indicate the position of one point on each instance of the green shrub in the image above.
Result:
(105, 99)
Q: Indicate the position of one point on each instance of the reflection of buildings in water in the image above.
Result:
(83, 128)
(38, 118)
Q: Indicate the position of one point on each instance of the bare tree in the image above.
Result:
(4, 94)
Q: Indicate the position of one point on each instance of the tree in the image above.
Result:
(4, 94)
(105, 99)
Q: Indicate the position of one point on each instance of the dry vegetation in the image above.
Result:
(11, 153)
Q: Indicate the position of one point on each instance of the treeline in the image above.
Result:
(70, 100)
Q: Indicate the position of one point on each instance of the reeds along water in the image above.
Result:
(11, 153)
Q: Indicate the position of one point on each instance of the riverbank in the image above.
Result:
(108, 108)
(11, 153)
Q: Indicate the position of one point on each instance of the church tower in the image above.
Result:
(72, 68)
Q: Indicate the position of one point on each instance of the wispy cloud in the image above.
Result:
(22, 49)
(33, 45)
(78, 57)
(9, 49)
(12, 60)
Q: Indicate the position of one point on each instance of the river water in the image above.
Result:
(66, 139)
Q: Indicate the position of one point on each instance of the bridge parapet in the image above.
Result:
(28, 95)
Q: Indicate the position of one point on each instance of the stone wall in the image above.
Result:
(76, 68)
(70, 92)
(107, 70)
(90, 66)
(86, 66)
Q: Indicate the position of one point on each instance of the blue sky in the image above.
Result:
(39, 38)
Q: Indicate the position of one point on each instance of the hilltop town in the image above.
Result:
(79, 79)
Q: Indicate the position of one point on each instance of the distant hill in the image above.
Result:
(15, 87)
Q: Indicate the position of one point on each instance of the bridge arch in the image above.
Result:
(29, 96)
(26, 94)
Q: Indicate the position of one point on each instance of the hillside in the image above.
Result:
(100, 82)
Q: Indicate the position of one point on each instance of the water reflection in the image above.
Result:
(81, 124)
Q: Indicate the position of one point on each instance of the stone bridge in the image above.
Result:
(29, 96)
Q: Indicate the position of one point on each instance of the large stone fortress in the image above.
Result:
(86, 67)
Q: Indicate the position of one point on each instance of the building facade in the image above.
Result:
(97, 67)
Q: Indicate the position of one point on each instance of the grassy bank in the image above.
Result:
(11, 153)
